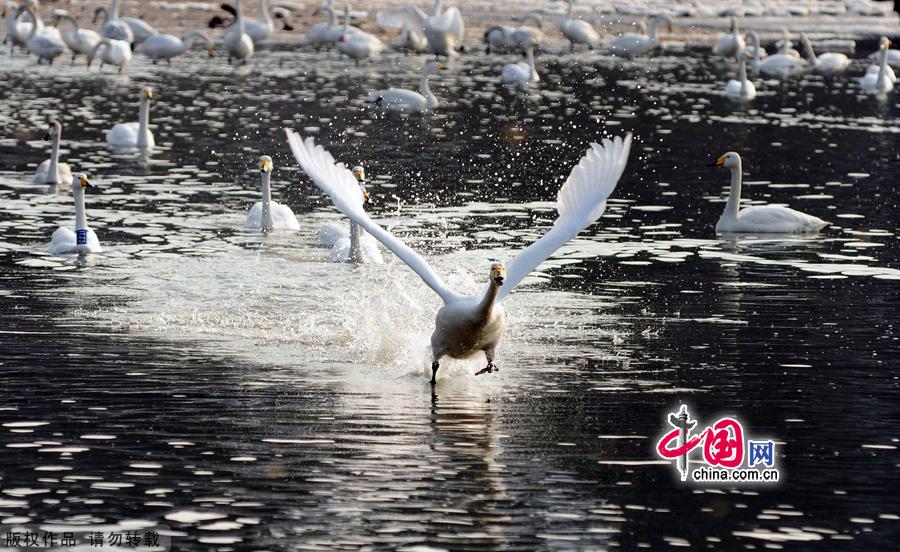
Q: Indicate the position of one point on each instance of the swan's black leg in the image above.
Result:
(434, 368)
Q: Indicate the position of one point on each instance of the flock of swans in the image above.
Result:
(465, 325)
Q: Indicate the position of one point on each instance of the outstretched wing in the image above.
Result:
(581, 201)
(451, 20)
(340, 184)
(397, 18)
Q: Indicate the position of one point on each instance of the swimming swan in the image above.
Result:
(267, 215)
(522, 73)
(577, 31)
(879, 82)
(83, 240)
(134, 135)
(634, 44)
(759, 218)
(466, 325)
(741, 88)
(408, 101)
(828, 63)
(166, 46)
(51, 171)
(353, 244)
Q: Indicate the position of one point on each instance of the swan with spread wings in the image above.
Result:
(469, 324)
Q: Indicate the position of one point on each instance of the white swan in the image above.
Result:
(634, 44)
(83, 240)
(730, 44)
(17, 29)
(320, 34)
(112, 52)
(782, 64)
(741, 88)
(140, 29)
(410, 40)
(880, 82)
(134, 135)
(759, 218)
(267, 215)
(503, 38)
(166, 46)
(408, 101)
(523, 72)
(467, 325)
(499, 39)
(358, 45)
(576, 30)
(113, 26)
(51, 171)
(238, 44)
(753, 48)
(45, 45)
(351, 244)
(444, 31)
(257, 30)
(80, 41)
(828, 63)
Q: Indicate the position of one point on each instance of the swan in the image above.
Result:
(469, 324)
(318, 35)
(521, 73)
(238, 44)
(358, 45)
(634, 44)
(731, 43)
(112, 52)
(828, 63)
(499, 39)
(759, 218)
(525, 34)
(45, 45)
(17, 29)
(756, 51)
(51, 171)
(502, 38)
(783, 63)
(267, 215)
(741, 88)
(880, 82)
(83, 240)
(140, 29)
(80, 41)
(410, 40)
(576, 30)
(166, 46)
(444, 31)
(352, 244)
(134, 135)
(408, 101)
(257, 30)
(113, 26)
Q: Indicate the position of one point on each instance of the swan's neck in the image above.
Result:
(53, 170)
(240, 20)
(486, 306)
(532, 70)
(734, 197)
(104, 13)
(346, 21)
(356, 254)
(264, 12)
(569, 10)
(882, 69)
(436, 8)
(34, 26)
(144, 122)
(810, 53)
(115, 9)
(70, 30)
(653, 25)
(331, 19)
(742, 75)
(425, 89)
(268, 222)
(80, 217)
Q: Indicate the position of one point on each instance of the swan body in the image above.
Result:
(577, 31)
(80, 41)
(112, 52)
(134, 135)
(741, 88)
(267, 215)
(351, 244)
(408, 101)
(730, 44)
(52, 171)
(880, 82)
(166, 46)
(113, 26)
(83, 240)
(258, 30)
(238, 44)
(358, 45)
(634, 44)
(503, 38)
(522, 73)
(828, 63)
(469, 325)
(140, 29)
(781, 64)
(753, 48)
(45, 44)
(759, 218)
(17, 29)
(443, 30)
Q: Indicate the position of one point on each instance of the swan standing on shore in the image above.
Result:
(879, 82)
(576, 30)
(759, 218)
(257, 30)
(633, 44)
(742, 88)
(51, 171)
(522, 73)
(134, 135)
(730, 44)
(828, 63)
(44, 44)
(407, 101)
(444, 31)
(112, 52)
(113, 26)
(267, 215)
(753, 48)
(166, 46)
(80, 41)
(469, 324)
(238, 44)
(358, 45)
(351, 244)
(83, 240)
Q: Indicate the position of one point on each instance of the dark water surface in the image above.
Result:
(248, 395)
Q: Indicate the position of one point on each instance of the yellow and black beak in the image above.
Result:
(149, 93)
(210, 51)
(360, 175)
(85, 183)
(498, 275)
(265, 165)
(718, 162)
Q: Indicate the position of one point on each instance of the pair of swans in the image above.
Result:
(130, 29)
(51, 171)
(504, 39)
(80, 41)
(467, 325)
(759, 218)
(576, 30)
(134, 135)
(164, 47)
(879, 79)
(741, 88)
(634, 44)
(402, 100)
(783, 64)
(443, 30)
(237, 42)
(522, 73)
(83, 240)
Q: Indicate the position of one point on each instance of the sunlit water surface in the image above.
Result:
(246, 394)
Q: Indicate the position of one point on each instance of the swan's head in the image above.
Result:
(884, 43)
(81, 182)
(498, 274)
(359, 173)
(730, 160)
(54, 130)
(148, 93)
(265, 164)
(434, 67)
(641, 27)
(97, 13)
